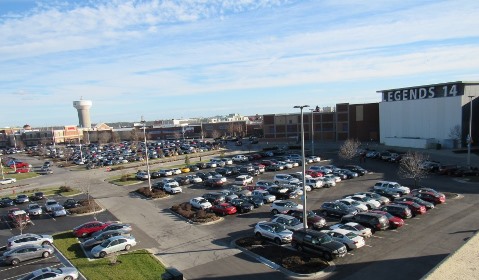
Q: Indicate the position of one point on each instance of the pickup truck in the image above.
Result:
(392, 187)
(266, 196)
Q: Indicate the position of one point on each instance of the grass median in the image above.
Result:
(138, 264)
(49, 192)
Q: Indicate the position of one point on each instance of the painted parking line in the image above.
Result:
(380, 237)
(26, 263)
(366, 245)
(6, 222)
(21, 275)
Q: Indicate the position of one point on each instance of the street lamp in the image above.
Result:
(312, 131)
(305, 214)
(469, 138)
(146, 152)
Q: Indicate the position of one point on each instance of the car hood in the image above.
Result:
(285, 233)
(333, 245)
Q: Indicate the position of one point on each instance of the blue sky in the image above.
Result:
(198, 58)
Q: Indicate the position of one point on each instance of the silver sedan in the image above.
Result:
(27, 252)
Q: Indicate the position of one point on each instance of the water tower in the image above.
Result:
(83, 108)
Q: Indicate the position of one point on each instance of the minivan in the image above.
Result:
(400, 211)
(371, 220)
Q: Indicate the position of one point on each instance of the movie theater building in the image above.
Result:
(429, 116)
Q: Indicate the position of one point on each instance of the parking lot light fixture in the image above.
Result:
(305, 216)
(469, 137)
(146, 153)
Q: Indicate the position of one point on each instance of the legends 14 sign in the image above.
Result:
(425, 92)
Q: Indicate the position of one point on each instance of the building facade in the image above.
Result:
(428, 116)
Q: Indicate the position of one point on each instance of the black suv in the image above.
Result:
(336, 209)
(371, 220)
(214, 198)
(400, 211)
(355, 168)
(318, 243)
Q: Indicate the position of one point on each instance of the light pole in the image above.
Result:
(305, 213)
(146, 152)
(312, 131)
(469, 138)
(14, 141)
(1, 167)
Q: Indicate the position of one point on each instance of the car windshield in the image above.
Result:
(389, 216)
(293, 222)
(359, 227)
(278, 228)
(311, 214)
(325, 239)
(394, 186)
(105, 243)
(35, 206)
(290, 204)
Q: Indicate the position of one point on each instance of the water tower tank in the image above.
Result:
(83, 108)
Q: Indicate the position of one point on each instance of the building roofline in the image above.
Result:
(432, 85)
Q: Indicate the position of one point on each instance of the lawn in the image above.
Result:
(124, 180)
(49, 191)
(18, 176)
(133, 265)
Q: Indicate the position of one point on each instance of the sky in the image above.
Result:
(200, 58)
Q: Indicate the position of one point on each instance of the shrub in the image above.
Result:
(65, 189)
(154, 193)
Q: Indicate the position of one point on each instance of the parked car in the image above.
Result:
(214, 197)
(359, 205)
(394, 222)
(391, 195)
(348, 238)
(112, 245)
(172, 189)
(70, 203)
(242, 205)
(66, 273)
(370, 203)
(427, 204)
(6, 202)
(200, 203)
(49, 204)
(223, 209)
(284, 206)
(7, 181)
(122, 227)
(318, 243)
(29, 239)
(142, 175)
(88, 228)
(33, 209)
(274, 231)
(37, 196)
(21, 198)
(214, 182)
(244, 180)
(382, 199)
(314, 220)
(27, 252)
(371, 220)
(392, 186)
(18, 217)
(265, 195)
(355, 228)
(284, 179)
(416, 209)
(58, 211)
(401, 211)
(255, 200)
(102, 236)
(289, 222)
(337, 209)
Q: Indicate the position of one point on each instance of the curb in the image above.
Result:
(195, 223)
(64, 260)
(283, 270)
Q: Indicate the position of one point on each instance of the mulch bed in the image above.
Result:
(289, 259)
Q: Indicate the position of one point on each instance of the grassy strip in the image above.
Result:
(18, 176)
(134, 265)
(119, 181)
(47, 192)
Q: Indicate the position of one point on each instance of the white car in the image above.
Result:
(274, 231)
(112, 245)
(354, 227)
(289, 222)
(166, 172)
(7, 181)
(50, 203)
(172, 188)
(359, 205)
(141, 175)
(176, 171)
(34, 209)
(265, 195)
(200, 203)
(328, 182)
(194, 178)
(170, 181)
(371, 203)
(314, 183)
(227, 161)
(284, 179)
(391, 186)
(29, 238)
(58, 211)
(284, 206)
(336, 178)
(240, 158)
(315, 158)
(348, 238)
(244, 180)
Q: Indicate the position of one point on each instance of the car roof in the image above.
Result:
(24, 235)
(284, 216)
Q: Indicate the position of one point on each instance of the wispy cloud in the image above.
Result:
(188, 55)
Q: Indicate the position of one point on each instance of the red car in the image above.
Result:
(314, 174)
(22, 170)
(430, 195)
(256, 156)
(266, 162)
(88, 228)
(19, 165)
(394, 222)
(416, 209)
(223, 209)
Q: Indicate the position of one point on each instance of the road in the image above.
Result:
(204, 251)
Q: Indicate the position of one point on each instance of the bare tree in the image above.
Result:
(20, 221)
(177, 135)
(455, 134)
(20, 144)
(104, 137)
(115, 137)
(134, 136)
(231, 129)
(215, 134)
(411, 167)
(85, 186)
(238, 128)
(349, 149)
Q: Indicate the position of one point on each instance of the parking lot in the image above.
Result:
(202, 251)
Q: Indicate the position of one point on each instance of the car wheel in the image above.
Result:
(15, 261)
(277, 241)
(324, 213)
(68, 278)
(275, 211)
(46, 254)
(127, 247)
(276, 182)
(299, 248)
(102, 254)
(258, 235)
(328, 256)
(46, 243)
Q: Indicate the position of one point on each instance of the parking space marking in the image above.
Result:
(394, 230)
(24, 264)
(21, 275)
(366, 245)
(6, 222)
(380, 237)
